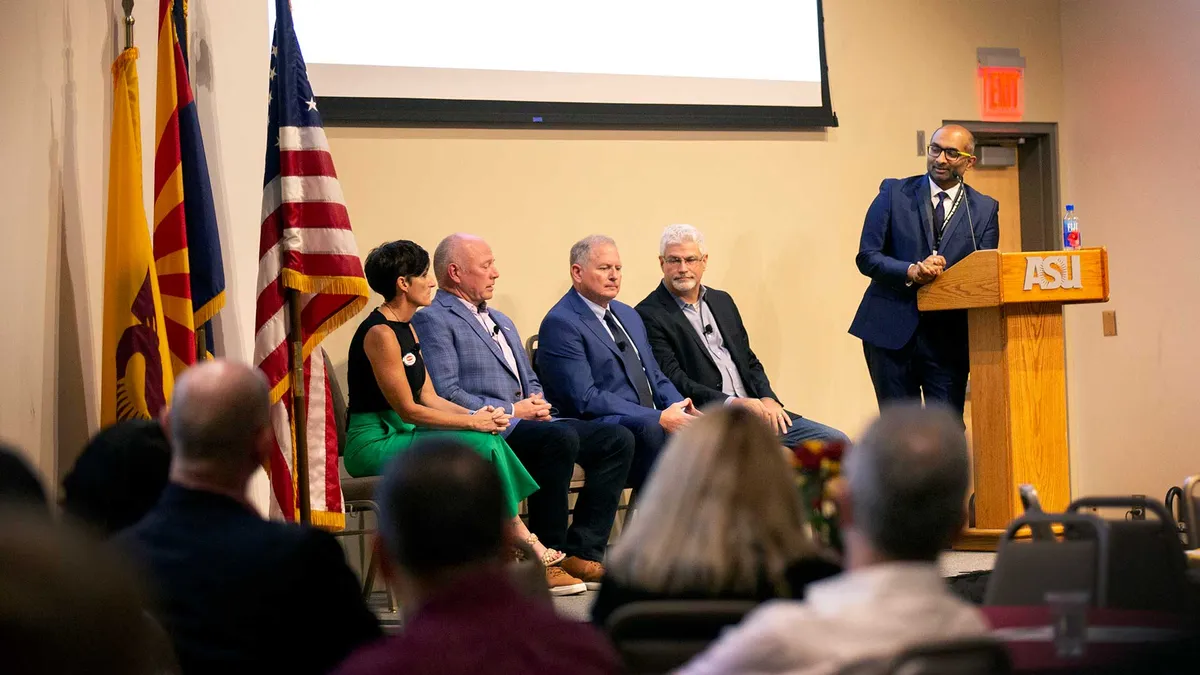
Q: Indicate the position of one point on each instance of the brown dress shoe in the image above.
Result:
(561, 583)
(589, 570)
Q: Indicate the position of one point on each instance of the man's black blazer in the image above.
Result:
(684, 358)
(239, 594)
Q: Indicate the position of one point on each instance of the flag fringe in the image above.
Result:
(209, 310)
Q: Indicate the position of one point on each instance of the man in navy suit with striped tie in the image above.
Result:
(915, 229)
(596, 360)
(475, 358)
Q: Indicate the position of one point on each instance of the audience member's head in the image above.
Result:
(442, 512)
(720, 512)
(67, 606)
(907, 482)
(19, 485)
(119, 477)
(465, 266)
(219, 425)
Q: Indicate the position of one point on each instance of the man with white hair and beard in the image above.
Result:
(701, 344)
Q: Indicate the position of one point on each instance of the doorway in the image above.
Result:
(1027, 188)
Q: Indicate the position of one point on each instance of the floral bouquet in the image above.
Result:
(818, 466)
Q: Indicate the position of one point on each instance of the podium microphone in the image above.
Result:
(962, 185)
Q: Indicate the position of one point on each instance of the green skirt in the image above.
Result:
(373, 439)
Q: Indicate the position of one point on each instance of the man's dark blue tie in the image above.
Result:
(631, 360)
(939, 213)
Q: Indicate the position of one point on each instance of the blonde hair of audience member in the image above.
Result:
(719, 513)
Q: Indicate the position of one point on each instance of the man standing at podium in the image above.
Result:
(916, 228)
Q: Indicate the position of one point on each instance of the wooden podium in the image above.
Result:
(1018, 384)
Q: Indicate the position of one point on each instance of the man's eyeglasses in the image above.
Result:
(952, 154)
(690, 261)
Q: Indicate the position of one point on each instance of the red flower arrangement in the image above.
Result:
(818, 466)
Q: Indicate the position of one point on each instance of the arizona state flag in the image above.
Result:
(136, 368)
(187, 246)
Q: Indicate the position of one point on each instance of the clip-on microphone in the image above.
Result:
(621, 345)
(708, 329)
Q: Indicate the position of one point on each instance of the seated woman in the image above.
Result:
(719, 519)
(392, 403)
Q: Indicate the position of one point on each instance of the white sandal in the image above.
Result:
(551, 556)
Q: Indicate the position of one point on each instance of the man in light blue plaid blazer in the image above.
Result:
(475, 358)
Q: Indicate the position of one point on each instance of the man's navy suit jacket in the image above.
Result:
(896, 234)
(581, 366)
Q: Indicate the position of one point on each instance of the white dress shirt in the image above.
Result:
(599, 312)
(951, 195)
(489, 327)
(862, 614)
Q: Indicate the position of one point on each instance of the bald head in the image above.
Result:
(956, 133)
(908, 480)
(219, 413)
(464, 265)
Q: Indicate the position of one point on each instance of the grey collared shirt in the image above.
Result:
(701, 316)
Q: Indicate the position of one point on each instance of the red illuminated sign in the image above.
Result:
(1001, 93)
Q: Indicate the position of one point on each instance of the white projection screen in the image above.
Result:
(672, 64)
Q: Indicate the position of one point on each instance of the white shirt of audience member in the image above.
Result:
(869, 613)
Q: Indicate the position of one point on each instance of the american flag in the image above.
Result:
(306, 245)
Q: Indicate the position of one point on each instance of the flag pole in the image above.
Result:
(299, 409)
(127, 5)
(201, 343)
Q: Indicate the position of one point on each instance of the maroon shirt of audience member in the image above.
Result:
(483, 625)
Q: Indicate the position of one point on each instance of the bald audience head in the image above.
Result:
(465, 266)
(908, 481)
(220, 420)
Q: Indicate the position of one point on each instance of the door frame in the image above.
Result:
(1037, 174)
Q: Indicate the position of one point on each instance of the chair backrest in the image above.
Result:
(1191, 510)
(658, 636)
(1146, 564)
(964, 656)
(1026, 570)
(531, 347)
(972, 656)
(339, 403)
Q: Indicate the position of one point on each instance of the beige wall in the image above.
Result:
(782, 212)
(1131, 147)
(56, 111)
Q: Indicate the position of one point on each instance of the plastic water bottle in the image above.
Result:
(1071, 238)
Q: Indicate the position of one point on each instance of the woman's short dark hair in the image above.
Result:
(388, 262)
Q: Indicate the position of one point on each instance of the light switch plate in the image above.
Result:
(1109, 318)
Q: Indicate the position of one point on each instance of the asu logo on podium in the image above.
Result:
(1052, 272)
